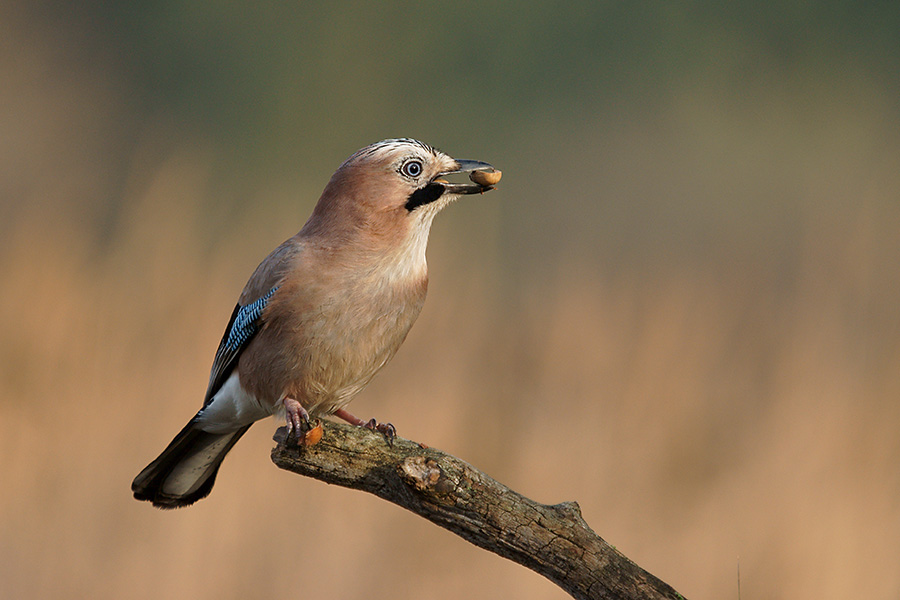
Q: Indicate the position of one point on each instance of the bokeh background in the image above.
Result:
(681, 309)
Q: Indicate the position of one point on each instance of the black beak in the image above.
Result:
(465, 166)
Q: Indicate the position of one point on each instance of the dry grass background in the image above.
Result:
(735, 403)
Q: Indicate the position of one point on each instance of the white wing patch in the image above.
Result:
(231, 408)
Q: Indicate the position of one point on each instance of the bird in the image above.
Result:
(322, 313)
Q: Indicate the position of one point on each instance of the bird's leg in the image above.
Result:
(385, 429)
(298, 424)
(297, 417)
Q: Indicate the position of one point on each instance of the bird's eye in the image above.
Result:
(412, 168)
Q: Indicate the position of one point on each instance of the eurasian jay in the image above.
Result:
(323, 313)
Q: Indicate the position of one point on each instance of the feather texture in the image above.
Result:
(244, 324)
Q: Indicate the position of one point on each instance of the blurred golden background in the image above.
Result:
(681, 309)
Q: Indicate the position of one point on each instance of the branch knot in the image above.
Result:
(420, 472)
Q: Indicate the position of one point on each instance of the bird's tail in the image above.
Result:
(186, 470)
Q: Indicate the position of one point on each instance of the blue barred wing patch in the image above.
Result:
(246, 323)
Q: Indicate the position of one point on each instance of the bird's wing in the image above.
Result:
(244, 324)
(248, 316)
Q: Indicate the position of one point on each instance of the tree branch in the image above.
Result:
(552, 540)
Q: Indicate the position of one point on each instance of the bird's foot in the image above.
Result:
(385, 429)
(297, 417)
(299, 425)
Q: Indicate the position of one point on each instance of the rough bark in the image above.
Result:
(552, 540)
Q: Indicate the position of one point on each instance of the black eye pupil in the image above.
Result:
(413, 168)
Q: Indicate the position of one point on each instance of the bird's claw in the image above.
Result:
(385, 429)
(298, 422)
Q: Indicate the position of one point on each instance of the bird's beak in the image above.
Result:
(466, 166)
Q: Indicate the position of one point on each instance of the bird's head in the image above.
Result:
(394, 188)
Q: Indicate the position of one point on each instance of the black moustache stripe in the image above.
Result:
(424, 195)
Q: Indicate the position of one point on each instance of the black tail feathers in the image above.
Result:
(186, 470)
